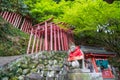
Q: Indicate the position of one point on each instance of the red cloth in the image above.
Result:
(75, 55)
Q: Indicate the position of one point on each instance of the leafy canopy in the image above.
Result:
(17, 6)
(83, 14)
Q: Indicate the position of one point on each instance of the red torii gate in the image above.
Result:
(43, 36)
(48, 36)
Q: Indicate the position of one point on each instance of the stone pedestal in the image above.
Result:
(84, 76)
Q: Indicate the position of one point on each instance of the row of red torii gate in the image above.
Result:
(45, 36)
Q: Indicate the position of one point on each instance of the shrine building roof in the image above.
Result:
(95, 50)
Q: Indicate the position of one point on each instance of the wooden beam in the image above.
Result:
(94, 64)
(44, 22)
(51, 37)
(46, 37)
(29, 43)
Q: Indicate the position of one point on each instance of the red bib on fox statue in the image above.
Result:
(75, 55)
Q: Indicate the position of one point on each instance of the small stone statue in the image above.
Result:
(74, 55)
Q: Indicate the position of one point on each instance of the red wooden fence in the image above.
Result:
(49, 37)
(45, 36)
(17, 20)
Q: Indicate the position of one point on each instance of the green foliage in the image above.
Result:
(85, 15)
(12, 40)
(14, 6)
(115, 62)
(42, 10)
(109, 37)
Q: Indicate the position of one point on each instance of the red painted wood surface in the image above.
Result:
(16, 20)
(29, 43)
(62, 40)
(107, 73)
(94, 64)
(43, 36)
(46, 36)
(59, 47)
(51, 38)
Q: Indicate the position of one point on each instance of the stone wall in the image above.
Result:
(40, 66)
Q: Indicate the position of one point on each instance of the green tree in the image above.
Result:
(17, 6)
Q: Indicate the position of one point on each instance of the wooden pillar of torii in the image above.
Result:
(48, 36)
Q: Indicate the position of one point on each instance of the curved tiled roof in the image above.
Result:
(95, 50)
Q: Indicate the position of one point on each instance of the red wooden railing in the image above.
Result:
(43, 36)
(49, 37)
(17, 20)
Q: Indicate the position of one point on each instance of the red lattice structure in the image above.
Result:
(18, 21)
(45, 36)
(48, 36)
